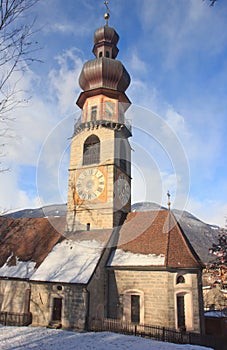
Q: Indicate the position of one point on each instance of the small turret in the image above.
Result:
(104, 71)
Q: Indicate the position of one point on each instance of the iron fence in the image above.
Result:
(157, 333)
(15, 319)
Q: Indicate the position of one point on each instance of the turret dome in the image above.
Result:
(106, 37)
(104, 71)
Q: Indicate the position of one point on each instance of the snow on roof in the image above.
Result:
(157, 233)
(121, 258)
(70, 262)
(22, 269)
(216, 313)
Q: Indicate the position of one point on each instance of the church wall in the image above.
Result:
(153, 285)
(191, 290)
(74, 304)
(14, 296)
(22, 297)
(158, 297)
(97, 288)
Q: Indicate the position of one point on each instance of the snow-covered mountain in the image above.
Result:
(49, 210)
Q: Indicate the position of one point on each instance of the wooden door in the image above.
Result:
(57, 309)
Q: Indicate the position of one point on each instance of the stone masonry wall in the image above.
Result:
(158, 290)
(152, 284)
(14, 296)
(74, 304)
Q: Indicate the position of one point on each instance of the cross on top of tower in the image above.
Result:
(107, 14)
(169, 203)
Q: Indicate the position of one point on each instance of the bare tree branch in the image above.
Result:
(17, 49)
(212, 2)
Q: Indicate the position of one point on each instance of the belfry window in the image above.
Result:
(93, 113)
(91, 151)
(107, 54)
(100, 54)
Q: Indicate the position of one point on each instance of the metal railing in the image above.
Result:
(156, 333)
(15, 319)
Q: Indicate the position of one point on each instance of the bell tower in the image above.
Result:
(99, 187)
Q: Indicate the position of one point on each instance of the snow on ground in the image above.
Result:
(24, 338)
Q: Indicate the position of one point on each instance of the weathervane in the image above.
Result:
(169, 203)
(107, 14)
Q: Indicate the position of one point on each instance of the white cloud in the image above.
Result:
(176, 121)
(12, 197)
(136, 63)
(36, 129)
(61, 27)
(181, 27)
(64, 79)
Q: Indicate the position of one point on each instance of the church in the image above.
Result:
(109, 263)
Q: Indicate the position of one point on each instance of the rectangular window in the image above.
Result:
(180, 312)
(135, 308)
(93, 113)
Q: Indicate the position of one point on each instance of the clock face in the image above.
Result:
(90, 184)
(123, 189)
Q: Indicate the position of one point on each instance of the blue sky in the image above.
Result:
(175, 52)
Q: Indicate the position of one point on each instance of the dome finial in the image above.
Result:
(107, 14)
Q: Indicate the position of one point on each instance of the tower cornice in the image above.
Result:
(120, 96)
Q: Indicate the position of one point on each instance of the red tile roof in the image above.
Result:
(32, 239)
(153, 232)
(157, 232)
(28, 239)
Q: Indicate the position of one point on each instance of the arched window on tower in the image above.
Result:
(107, 54)
(91, 152)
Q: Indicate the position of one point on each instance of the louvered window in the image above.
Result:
(91, 153)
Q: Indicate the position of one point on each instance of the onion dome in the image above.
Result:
(107, 38)
(104, 71)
